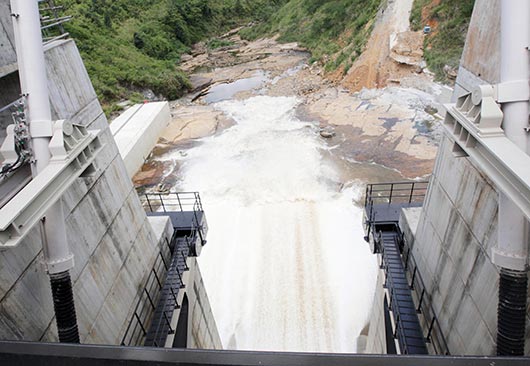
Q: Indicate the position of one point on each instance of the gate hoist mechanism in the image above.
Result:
(73, 149)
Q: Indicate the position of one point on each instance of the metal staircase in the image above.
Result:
(154, 320)
(406, 323)
(383, 206)
(168, 302)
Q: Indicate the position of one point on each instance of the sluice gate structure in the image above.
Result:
(109, 262)
(128, 263)
(383, 204)
(469, 241)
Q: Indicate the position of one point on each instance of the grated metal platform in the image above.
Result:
(408, 329)
(168, 298)
(383, 206)
(190, 228)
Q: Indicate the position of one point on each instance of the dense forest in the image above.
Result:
(132, 45)
(334, 31)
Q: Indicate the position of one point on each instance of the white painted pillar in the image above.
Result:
(512, 248)
(33, 74)
(34, 84)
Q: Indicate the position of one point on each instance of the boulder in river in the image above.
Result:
(327, 132)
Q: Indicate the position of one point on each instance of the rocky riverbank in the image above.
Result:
(394, 127)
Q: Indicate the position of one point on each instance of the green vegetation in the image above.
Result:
(335, 31)
(451, 20)
(130, 45)
(216, 43)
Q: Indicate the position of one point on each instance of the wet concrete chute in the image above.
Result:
(282, 224)
(280, 158)
(280, 212)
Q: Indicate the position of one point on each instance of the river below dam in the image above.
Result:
(286, 267)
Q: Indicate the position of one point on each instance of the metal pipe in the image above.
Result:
(64, 306)
(511, 253)
(511, 313)
(512, 249)
(32, 70)
(12, 104)
(34, 85)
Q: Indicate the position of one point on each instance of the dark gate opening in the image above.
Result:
(181, 336)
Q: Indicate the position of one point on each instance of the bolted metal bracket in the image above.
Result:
(474, 125)
(73, 150)
(8, 150)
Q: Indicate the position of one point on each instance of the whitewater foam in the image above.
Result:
(285, 267)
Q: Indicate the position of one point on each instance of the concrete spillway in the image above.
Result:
(287, 269)
(137, 130)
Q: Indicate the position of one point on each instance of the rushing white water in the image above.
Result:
(285, 266)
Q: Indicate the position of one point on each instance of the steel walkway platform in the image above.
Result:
(153, 319)
(190, 228)
(408, 329)
(383, 206)
(168, 298)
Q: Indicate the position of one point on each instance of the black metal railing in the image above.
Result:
(52, 21)
(172, 202)
(395, 192)
(425, 309)
(177, 202)
(399, 329)
(14, 105)
(143, 312)
(142, 317)
(434, 335)
(161, 324)
(395, 301)
(405, 193)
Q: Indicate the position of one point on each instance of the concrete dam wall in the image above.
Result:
(459, 224)
(115, 244)
(451, 238)
(111, 238)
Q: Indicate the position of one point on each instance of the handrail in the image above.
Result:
(172, 202)
(399, 331)
(392, 193)
(52, 22)
(167, 203)
(160, 336)
(142, 316)
(12, 104)
(424, 307)
(406, 193)
(138, 325)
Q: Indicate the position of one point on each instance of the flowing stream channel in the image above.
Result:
(285, 267)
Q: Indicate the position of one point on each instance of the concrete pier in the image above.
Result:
(137, 130)
(111, 239)
(115, 244)
(453, 237)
